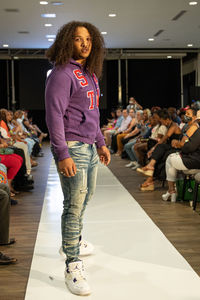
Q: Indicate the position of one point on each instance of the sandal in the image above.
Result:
(147, 186)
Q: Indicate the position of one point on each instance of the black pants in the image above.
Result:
(4, 213)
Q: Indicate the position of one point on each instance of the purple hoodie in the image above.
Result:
(72, 113)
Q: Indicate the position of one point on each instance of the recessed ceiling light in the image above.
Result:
(190, 45)
(48, 15)
(169, 56)
(50, 36)
(193, 3)
(5, 45)
(57, 3)
(112, 15)
(104, 32)
(50, 40)
(151, 39)
(48, 25)
(43, 2)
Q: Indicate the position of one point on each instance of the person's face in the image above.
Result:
(131, 100)
(82, 43)
(145, 115)
(125, 114)
(118, 113)
(139, 116)
(9, 116)
(165, 122)
(112, 114)
(156, 118)
(189, 115)
(131, 113)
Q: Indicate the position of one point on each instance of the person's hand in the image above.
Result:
(104, 155)
(149, 153)
(127, 136)
(67, 167)
(174, 143)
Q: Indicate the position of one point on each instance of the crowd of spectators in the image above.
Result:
(20, 144)
(159, 142)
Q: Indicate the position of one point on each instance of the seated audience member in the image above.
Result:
(10, 134)
(110, 122)
(4, 220)
(160, 151)
(143, 137)
(124, 125)
(142, 149)
(12, 162)
(133, 104)
(132, 131)
(36, 133)
(188, 158)
(182, 117)
(109, 132)
(175, 118)
(25, 135)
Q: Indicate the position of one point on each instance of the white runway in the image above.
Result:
(133, 260)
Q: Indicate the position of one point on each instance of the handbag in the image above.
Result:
(4, 151)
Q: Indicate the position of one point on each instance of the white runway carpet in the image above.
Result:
(133, 260)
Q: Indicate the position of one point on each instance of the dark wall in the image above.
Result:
(31, 82)
(155, 82)
(3, 84)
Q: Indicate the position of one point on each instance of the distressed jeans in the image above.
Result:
(77, 191)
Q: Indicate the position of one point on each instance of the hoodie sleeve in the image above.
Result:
(100, 139)
(57, 95)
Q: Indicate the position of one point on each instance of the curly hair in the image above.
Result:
(62, 49)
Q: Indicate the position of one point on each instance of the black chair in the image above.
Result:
(196, 190)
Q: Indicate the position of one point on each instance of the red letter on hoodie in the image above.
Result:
(80, 77)
(90, 94)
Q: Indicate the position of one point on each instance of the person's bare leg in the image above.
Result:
(171, 186)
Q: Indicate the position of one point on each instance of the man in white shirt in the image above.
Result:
(125, 122)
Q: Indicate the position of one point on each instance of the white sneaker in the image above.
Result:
(136, 166)
(86, 248)
(75, 279)
(131, 164)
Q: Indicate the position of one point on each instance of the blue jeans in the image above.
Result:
(77, 191)
(129, 148)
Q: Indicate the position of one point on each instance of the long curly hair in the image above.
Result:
(62, 49)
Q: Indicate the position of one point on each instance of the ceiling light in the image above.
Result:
(193, 3)
(48, 15)
(57, 3)
(112, 15)
(103, 32)
(43, 2)
(5, 45)
(190, 45)
(48, 25)
(50, 36)
(50, 40)
(151, 39)
(169, 56)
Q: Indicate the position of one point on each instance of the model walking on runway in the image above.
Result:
(72, 116)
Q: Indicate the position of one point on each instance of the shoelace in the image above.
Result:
(78, 274)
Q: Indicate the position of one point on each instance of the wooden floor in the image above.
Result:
(176, 220)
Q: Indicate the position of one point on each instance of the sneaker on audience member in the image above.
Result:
(137, 165)
(131, 164)
(75, 279)
(6, 260)
(86, 248)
